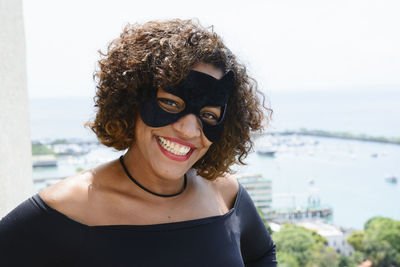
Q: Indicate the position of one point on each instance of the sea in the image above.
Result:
(346, 175)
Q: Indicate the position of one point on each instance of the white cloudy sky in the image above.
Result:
(287, 44)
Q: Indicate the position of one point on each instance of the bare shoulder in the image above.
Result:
(69, 193)
(227, 187)
(82, 195)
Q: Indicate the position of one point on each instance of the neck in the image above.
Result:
(146, 179)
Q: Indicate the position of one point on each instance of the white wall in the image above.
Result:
(15, 147)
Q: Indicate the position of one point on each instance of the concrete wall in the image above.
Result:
(15, 147)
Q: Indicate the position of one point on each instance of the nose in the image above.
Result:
(188, 126)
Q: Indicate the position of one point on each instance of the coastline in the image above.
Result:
(337, 135)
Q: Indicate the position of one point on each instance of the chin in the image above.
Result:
(172, 172)
(171, 169)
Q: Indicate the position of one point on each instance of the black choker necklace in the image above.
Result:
(121, 159)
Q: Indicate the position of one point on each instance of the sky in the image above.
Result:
(287, 45)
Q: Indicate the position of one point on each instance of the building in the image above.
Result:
(313, 209)
(260, 191)
(335, 235)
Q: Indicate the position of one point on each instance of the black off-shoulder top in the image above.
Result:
(34, 234)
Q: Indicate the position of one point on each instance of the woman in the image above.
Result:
(175, 97)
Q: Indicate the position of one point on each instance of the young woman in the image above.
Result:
(175, 98)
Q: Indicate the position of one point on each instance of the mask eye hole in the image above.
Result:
(170, 105)
(169, 102)
(211, 115)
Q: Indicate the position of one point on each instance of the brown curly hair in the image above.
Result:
(160, 54)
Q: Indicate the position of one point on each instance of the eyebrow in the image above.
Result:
(168, 94)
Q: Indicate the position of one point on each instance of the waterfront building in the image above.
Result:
(335, 235)
(312, 210)
(260, 191)
(297, 214)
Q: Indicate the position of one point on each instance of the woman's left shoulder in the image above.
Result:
(227, 187)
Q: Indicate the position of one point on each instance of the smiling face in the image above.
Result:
(197, 92)
(170, 151)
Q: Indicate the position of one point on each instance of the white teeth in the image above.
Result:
(173, 147)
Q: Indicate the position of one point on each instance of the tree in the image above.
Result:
(381, 253)
(286, 260)
(355, 239)
(40, 149)
(325, 257)
(345, 261)
(295, 241)
(379, 242)
(319, 239)
(357, 257)
(380, 228)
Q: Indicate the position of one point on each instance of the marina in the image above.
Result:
(348, 175)
(308, 177)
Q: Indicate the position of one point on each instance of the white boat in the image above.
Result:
(391, 179)
(266, 151)
(44, 161)
(70, 149)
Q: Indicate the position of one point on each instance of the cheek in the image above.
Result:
(142, 131)
(206, 143)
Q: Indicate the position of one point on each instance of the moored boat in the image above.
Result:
(391, 179)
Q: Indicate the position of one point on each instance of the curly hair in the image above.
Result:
(160, 54)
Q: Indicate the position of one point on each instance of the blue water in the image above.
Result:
(346, 176)
(372, 112)
(60, 117)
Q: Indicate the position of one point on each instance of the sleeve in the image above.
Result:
(257, 247)
(30, 235)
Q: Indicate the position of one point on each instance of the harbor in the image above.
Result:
(302, 166)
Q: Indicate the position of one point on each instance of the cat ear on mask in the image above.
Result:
(223, 88)
(227, 82)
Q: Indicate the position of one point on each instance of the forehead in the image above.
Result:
(209, 69)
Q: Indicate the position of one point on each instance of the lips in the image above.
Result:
(174, 148)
